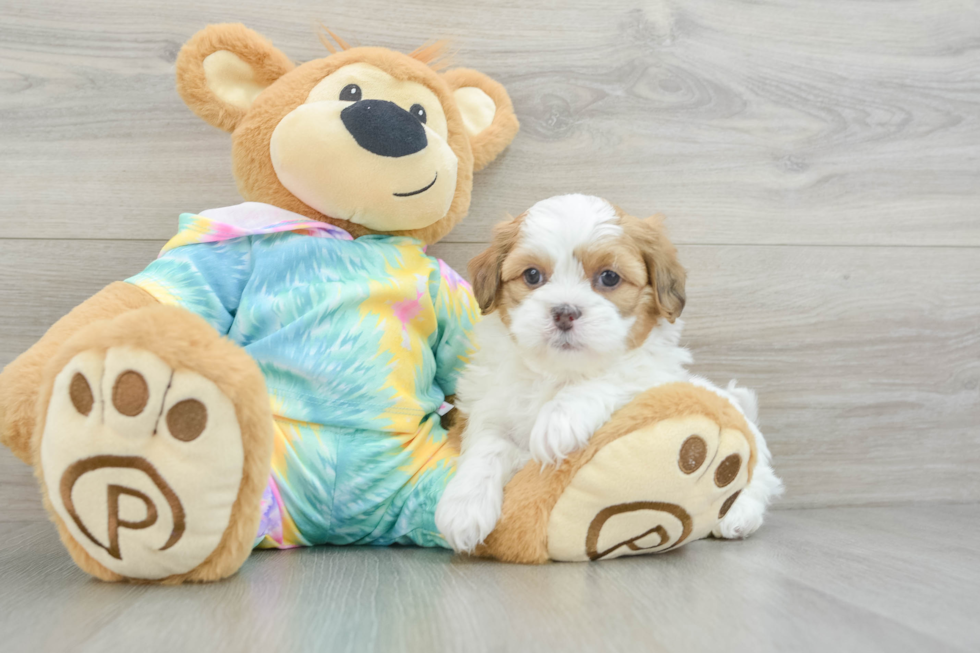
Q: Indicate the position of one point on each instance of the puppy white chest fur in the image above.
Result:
(581, 306)
(504, 390)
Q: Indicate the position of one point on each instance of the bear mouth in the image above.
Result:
(419, 191)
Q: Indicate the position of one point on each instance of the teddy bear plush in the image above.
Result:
(277, 376)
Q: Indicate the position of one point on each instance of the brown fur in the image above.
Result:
(514, 288)
(652, 283)
(183, 341)
(20, 381)
(125, 315)
(435, 54)
(288, 88)
(454, 437)
(622, 256)
(268, 64)
(521, 534)
(653, 278)
(489, 143)
(341, 44)
(667, 275)
(257, 180)
(635, 295)
(486, 268)
(518, 261)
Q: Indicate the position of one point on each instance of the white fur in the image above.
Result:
(532, 391)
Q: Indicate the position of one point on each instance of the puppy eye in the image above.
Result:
(533, 277)
(350, 93)
(608, 279)
(418, 111)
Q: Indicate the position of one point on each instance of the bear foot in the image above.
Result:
(664, 471)
(146, 464)
(674, 481)
(142, 463)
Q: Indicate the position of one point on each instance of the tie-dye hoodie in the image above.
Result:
(360, 341)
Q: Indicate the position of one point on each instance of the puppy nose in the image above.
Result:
(384, 128)
(564, 315)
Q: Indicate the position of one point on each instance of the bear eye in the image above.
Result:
(418, 111)
(533, 277)
(350, 93)
(608, 279)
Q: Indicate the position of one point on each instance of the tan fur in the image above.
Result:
(521, 534)
(183, 341)
(635, 295)
(653, 278)
(454, 437)
(486, 268)
(652, 283)
(252, 129)
(268, 64)
(435, 54)
(132, 317)
(518, 261)
(257, 180)
(514, 289)
(325, 37)
(20, 381)
(667, 275)
(510, 295)
(620, 255)
(646, 312)
(492, 140)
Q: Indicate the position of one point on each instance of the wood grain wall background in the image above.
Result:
(818, 161)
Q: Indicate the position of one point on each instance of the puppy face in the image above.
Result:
(576, 280)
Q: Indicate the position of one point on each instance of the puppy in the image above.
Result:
(582, 304)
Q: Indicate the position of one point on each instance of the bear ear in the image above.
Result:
(223, 68)
(488, 114)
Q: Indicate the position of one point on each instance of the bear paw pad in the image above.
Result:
(142, 463)
(650, 491)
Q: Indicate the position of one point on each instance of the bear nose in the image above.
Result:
(564, 316)
(384, 128)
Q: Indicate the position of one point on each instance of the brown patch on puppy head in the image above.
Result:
(663, 294)
(632, 295)
(514, 289)
(487, 267)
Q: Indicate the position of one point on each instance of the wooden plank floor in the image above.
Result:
(841, 579)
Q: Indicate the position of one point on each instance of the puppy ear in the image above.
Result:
(667, 275)
(223, 68)
(486, 267)
(488, 114)
(485, 274)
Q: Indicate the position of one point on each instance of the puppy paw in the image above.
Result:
(557, 432)
(466, 516)
(742, 519)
